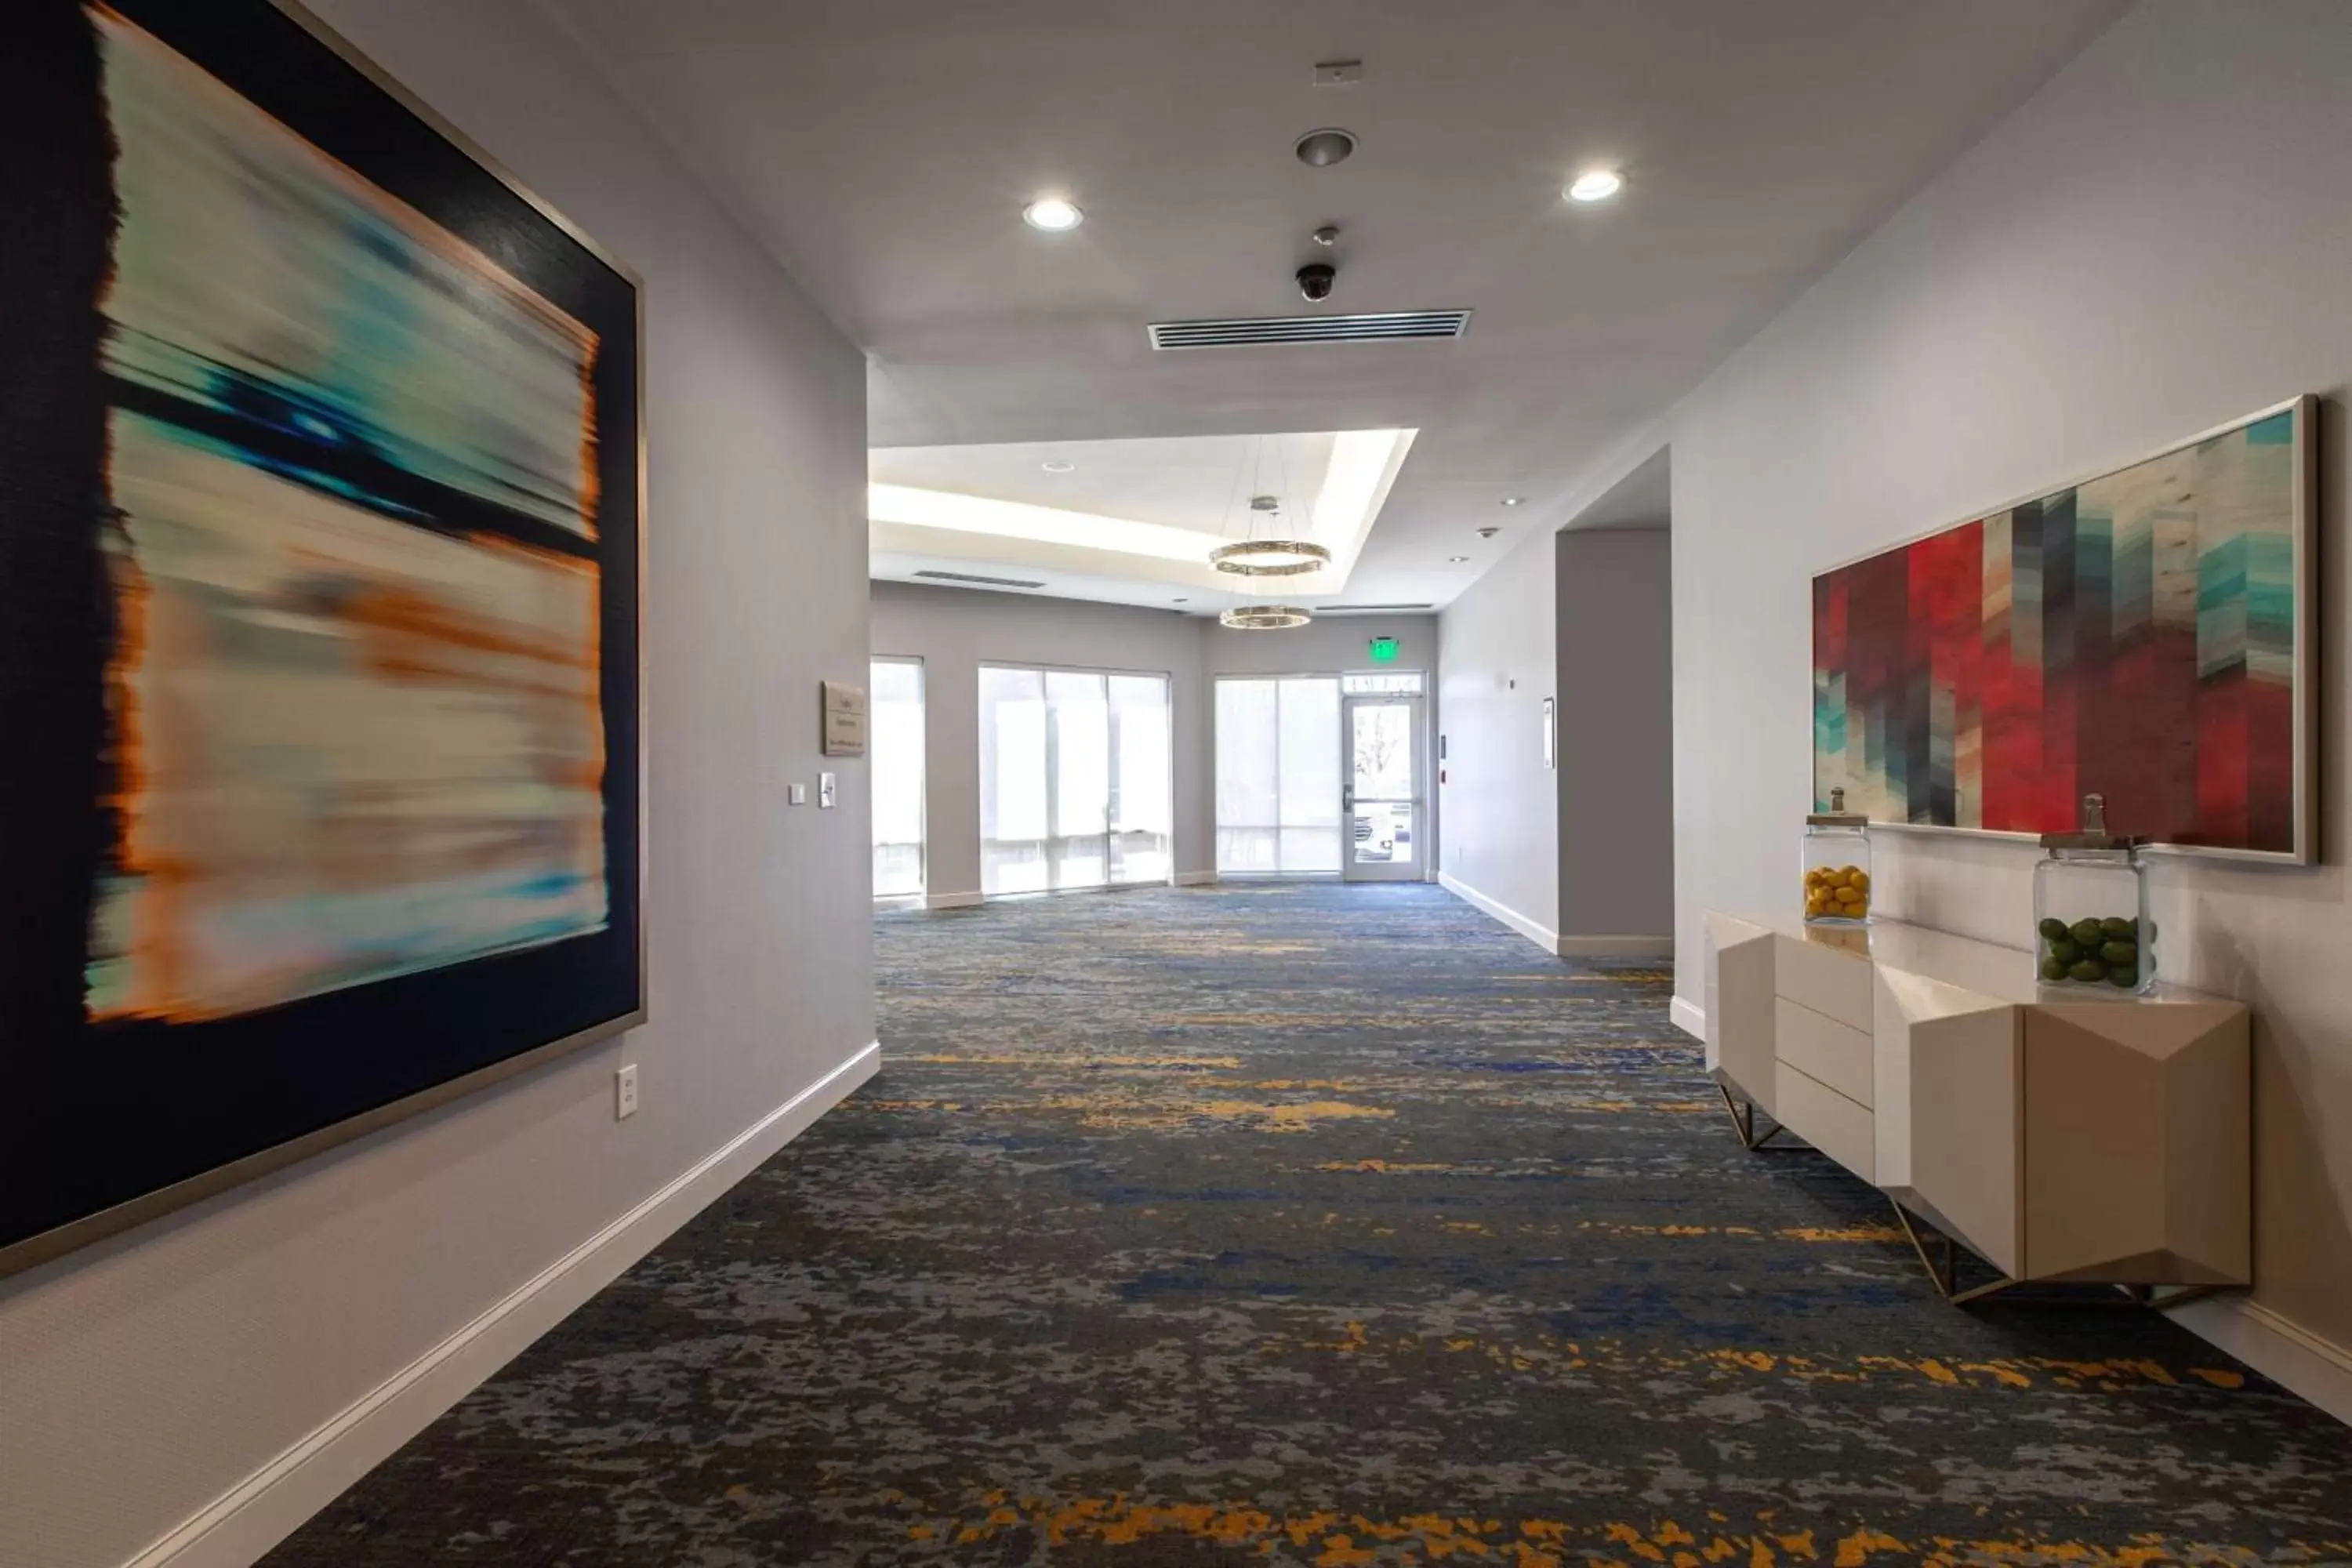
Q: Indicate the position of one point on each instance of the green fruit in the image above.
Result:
(2089, 970)
(2119, 929)
(2123, 953)
(2065, 953)
(2126, 976)
(2086, 933)
(2052, 930)
(2053, 968)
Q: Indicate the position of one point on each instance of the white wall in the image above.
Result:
(2155, 243)
(1616, 786)
(146, 1376)
(1499, 803)
(954, 631)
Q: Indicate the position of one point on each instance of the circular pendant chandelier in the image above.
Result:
(1264, 617)
(1270, 557)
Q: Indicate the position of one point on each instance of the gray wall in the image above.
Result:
(1615, 649)
(2154, 244)
(1332, 643)
(146, 1376)
(954, 631)
(1499, 803)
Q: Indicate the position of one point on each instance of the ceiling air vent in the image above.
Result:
(1390, 327)
(985, 581)
(1367, 609)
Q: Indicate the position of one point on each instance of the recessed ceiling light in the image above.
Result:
(1455, 559)
(1515, 500)
(1594, 185)
(1059, 466)
(1321, 149)
(1053, 214)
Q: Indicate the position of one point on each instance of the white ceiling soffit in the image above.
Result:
(1054, 510)
(883, 150)
(1643, 499)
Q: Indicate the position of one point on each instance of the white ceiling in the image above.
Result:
(1201, 485)
(882, 149)
(1199, 482)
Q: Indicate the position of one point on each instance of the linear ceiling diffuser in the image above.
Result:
(1392, 326)
(973, 577)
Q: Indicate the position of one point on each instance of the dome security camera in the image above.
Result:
(1315, 280)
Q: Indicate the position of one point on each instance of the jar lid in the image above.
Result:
(2093, 833)
(1837, 816)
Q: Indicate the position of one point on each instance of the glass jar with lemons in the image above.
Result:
(1836, 864)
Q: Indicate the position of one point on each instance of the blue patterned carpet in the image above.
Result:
(1315, 1225)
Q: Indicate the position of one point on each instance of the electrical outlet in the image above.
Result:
(624, 1093)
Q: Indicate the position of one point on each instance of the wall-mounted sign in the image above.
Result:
(1384, 650)
(845, 720)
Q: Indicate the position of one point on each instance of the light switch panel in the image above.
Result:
(796, 794)
(824, 791)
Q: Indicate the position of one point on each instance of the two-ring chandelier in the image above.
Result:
(1268, 558)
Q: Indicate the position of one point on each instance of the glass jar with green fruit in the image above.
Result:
(2090, 909)
(1836, 864)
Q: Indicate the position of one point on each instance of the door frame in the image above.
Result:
(1417, 868)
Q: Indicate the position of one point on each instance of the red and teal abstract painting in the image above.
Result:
(2135, 635)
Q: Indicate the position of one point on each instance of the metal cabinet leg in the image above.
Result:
(1743, 1122)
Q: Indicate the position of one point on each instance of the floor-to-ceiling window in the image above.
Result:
(894, 760)
(1143, 780)
(1277, 774)
(1075, 788)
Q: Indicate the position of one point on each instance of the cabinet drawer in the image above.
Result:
(1827, 1120)
(1832, 982)
(1822, 1048)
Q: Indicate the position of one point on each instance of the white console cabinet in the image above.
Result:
(2083, 1139)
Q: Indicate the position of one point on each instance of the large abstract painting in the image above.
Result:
(319, 545)
(2143, 634)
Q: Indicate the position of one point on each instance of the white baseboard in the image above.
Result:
(2288, 1354)
(244, 1523)
(1195, 878)
(1687, 1016)
(1658, 947)
(1543, 936)
(951, 900)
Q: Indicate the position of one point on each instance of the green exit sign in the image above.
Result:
(1384, 650)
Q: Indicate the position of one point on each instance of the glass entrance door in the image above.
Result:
(1381, 788)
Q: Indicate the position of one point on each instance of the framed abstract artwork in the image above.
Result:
(320, 545)
(2146, 635)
